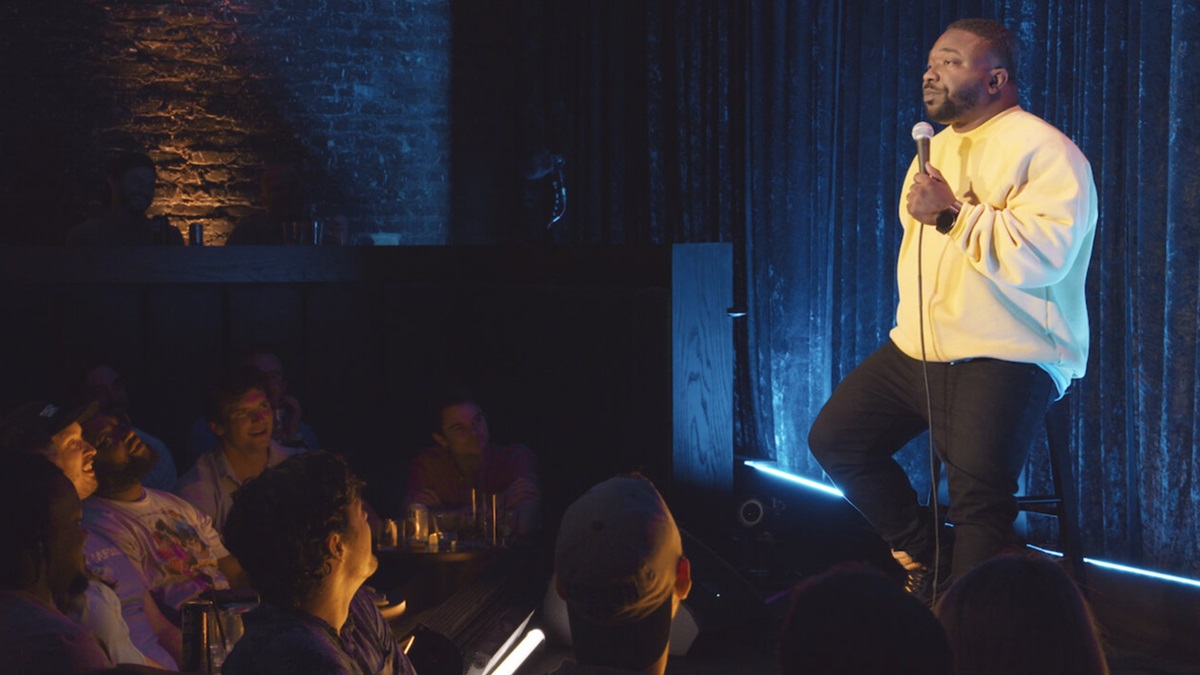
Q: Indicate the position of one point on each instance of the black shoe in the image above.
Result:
(919, 582)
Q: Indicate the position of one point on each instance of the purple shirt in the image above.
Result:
(289, 641)
(509, 471)
(37, 638)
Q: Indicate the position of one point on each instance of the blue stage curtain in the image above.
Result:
(784, 128)
(833, 95)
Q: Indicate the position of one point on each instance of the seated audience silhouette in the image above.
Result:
(131, 185)
(300, 529)
(1020, 614)
(283, 196)
(42, 558)
(619, 565)
(465, 459)
(854, 620)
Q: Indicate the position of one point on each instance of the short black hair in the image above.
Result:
(1003, 42)
(230, 385)
(280, 521)
(261, 349)
(855, 619)
(25, 517)
(126, 161)
(1020, 613)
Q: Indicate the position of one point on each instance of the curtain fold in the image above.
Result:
(784, 128)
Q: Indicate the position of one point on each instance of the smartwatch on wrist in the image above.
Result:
(945, 219)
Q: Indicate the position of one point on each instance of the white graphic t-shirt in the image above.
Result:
(172, 549)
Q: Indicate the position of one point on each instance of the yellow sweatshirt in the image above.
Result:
(1007, 281)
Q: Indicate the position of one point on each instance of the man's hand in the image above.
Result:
(289, 430)
(929, 196)
(520, 490)
(232, 570)
(906, 561)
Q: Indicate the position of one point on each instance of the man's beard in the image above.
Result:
(78, 585)
(954, 105)
(71, 598)
(137, 203)
(116, 477)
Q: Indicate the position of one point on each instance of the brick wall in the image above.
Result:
(354, 92)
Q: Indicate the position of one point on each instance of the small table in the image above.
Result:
(424, 577)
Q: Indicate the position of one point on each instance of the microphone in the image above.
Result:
(921, 133)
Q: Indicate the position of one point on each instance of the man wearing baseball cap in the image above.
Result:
(619, 565)
(55, 432)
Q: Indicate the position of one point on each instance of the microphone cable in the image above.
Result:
(933, 460)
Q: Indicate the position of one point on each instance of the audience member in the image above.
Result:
(854, 620)
(56, 434)
(283, 195)
(464, 459)
(1020, 614)
(174, 554)
(41, 560)
(300, 529)
(131, 184)
(619, 565)
(289, 429)
(240, 415)
(101, 383)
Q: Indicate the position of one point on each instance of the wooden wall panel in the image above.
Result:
(102, 320)
(268, 313)
(343, 383)
(703, 377)
(30, 343)
(569, 349)
(185, 344)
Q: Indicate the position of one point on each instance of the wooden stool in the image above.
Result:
(1063, 503)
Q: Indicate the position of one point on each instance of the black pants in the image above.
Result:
(985, 415)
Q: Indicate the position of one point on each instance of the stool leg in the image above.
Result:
(1058, 440)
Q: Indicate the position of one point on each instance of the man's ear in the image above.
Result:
(683, 578)
(998, 80)
(440, 439)
(335, 546)
(217, 429)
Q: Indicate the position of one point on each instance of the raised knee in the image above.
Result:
(820, 440)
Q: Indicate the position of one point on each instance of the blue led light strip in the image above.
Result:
(791, 477)
(1124, 568)
(766, 468)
